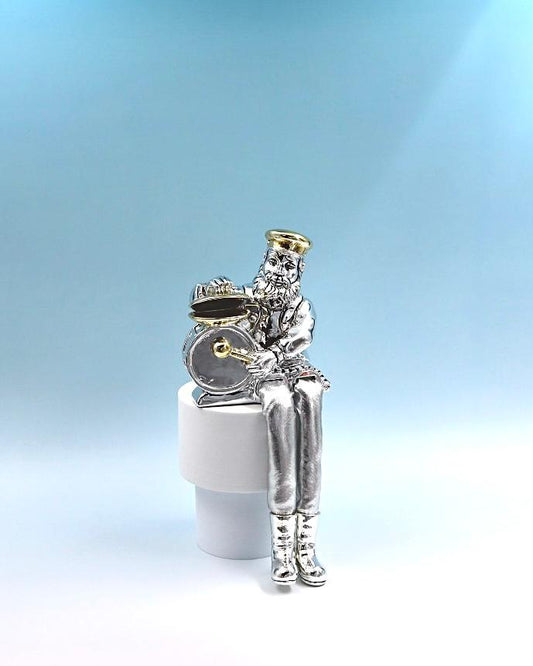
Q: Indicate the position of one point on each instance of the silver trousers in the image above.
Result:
(293, 413)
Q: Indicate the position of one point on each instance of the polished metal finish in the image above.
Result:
(308, 400)
(310, 570)
(222, 349)
(283, 565)
(261, 357)
(281, 239)
(278, 408)
(294, 429)
(219, 376)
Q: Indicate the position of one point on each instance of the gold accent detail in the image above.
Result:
(222, 349)
(282, 239)
(224, 321)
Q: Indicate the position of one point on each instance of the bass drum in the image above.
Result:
(218, 375)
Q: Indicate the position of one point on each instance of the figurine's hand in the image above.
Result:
(216, 287)
(263, 363)
(219, 286)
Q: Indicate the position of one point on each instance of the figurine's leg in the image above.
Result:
(308, 399)
(278, 408)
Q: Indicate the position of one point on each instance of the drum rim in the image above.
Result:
(221, 321)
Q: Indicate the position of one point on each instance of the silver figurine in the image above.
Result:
(248, 345)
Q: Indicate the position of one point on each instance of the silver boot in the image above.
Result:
(309, 568)
(284, 571)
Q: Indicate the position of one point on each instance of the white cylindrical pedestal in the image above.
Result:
(223, 451)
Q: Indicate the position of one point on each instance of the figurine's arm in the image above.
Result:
(297, 338)
(300, 334)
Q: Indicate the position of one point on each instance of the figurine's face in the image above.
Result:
(279, 275)
(280, 269)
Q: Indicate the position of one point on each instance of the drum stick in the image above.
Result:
(222, 349)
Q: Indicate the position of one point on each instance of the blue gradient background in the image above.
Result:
(147, 146)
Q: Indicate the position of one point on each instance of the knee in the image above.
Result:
(309, 388)
(275, 393)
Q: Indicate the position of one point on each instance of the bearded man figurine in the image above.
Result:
(260, 331)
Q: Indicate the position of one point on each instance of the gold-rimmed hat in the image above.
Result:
(290, 241)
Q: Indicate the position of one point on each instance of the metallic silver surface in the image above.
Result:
(308, 400)
(283, 565)
(278, 408)
(215, 375)
(205, 399)
(274, 371)
(309, 568)
(293, 413)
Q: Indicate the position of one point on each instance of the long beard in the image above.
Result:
(276, 293)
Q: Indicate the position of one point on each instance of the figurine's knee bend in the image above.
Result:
(275, 394)
(309, 387)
